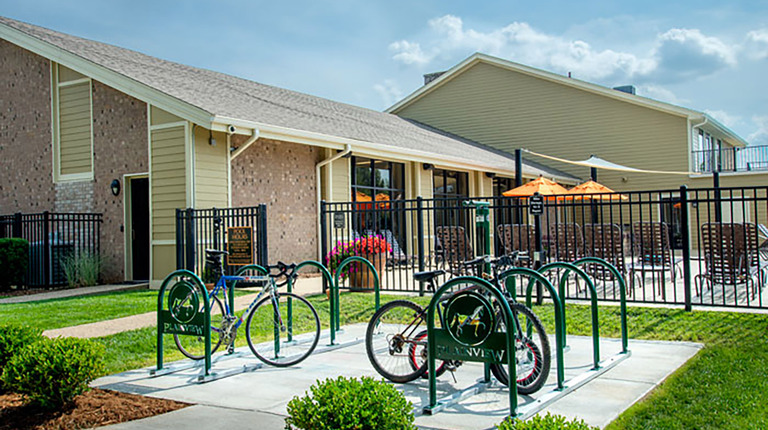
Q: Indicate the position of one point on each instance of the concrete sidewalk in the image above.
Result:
(74, 292)
(304, 286)
(258, 399)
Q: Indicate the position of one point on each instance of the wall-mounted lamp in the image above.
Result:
(427, 166)
(211, 140)
(115, 187)
(490, 175)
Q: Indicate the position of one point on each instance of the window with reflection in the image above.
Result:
(377, 186)
(449, 189)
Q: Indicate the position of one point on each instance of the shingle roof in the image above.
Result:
(228, 96)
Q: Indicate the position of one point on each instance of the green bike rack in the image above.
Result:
(559, 321)
(335, 305)
(622, 294)
(327, 276)
(494, 346)
(593, 297)
(183, 320)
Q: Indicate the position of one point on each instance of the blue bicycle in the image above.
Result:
(282, 329)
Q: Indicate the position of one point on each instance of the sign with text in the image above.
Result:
(536, 205)
(240, 246)
(338, 220)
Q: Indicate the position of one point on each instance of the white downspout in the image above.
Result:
(347, 150)
(692, 161)
(246, 144)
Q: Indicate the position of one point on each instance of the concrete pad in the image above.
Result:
(268, 390)
(206, 417)
(74, 292)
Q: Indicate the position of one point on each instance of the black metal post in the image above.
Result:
(46, 249)
(420, 238)
(264, 246)
(179, 239)
(16, 225)
(593, 173)
(189, 240)
(686, 246)
(518, 182)
(718, 205)
(323, 240)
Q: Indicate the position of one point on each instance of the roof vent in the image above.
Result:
(429, 77)
(629, 89)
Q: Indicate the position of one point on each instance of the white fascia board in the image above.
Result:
(724, 130)
(106, 76)
(360, 147)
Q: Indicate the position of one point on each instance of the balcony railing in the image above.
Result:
(747, 159)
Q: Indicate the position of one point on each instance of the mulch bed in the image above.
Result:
(94, 408)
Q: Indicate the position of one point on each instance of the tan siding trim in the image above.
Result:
(73, 123)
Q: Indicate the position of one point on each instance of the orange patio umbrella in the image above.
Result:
(595, 191)
(539, 185)
(363, 200)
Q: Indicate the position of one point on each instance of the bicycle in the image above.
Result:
(282, 329)
(396, 336)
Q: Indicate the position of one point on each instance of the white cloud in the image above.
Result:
(678, 55)
(760, 136)
(660, 93)
(389, 91)
(757, 44)
(724, 117)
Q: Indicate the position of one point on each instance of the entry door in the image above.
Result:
(671, 214)
(140, 228)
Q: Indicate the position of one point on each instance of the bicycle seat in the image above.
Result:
(215, 252)
(428, 276)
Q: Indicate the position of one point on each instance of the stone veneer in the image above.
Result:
(281, 175)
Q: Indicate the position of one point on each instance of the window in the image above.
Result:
(450, 187)
(376, 181)
(72, 125)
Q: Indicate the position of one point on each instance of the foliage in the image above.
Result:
(14, 260)
(359, 247)
(547, 422)
(51, 372)
(351, 403)
(82, 269)
(13, 337)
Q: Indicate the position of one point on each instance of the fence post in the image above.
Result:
(46, 249)
(323, 241)
(718, 197)
(16, 225)
(420, 238)
(179, 239)
(189, 240)
(686, 246)
(263, 248)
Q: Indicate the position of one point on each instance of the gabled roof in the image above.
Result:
(477, 58)
(214, 99)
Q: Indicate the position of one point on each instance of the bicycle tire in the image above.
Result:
(532, 353)
(194, 346)
(387, 342)
(297, 337)
(417, 353)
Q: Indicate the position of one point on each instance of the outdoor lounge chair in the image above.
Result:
(604, 241)
(653, 253)
(731, 256)
(518, 237)
(566, 242)
(455, 248)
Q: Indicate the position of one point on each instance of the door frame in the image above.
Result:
(128, 222)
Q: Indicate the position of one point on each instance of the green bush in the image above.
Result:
(547, 422)
(350, 404)
(82, 269)
(51, 372)
(14, 259)
(12, 338)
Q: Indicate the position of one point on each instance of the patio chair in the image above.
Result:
(653, 253)
(566, 242)
(455, 248)
(518, 237)
(604, 241)
(731, 256)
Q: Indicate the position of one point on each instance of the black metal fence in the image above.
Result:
(53, 238)
(201, 229)
(684, 247)
(746, 159)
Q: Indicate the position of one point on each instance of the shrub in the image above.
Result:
(82, 269)
(51, 372)
(350, 403)
(547, 422)
(12, 338)
(14, 259)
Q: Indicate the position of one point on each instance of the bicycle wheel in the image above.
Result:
(194, 346)
(417, 353)
(392, 332)
(283, 330)
(532, 353)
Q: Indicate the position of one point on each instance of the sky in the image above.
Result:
(711, 56)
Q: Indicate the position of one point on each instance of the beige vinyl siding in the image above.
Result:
(168, 176)
(75, 129)
(211, 189)
(159, 116)
(66, 74)
(507, 110)
(341, 188)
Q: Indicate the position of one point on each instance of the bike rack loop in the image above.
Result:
(593, 298)
(327, 276)
(432, 347)
(559, 322)
(335, 305)
(622, 294)
(206, 320)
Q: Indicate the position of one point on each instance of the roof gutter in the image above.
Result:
(347, 150)
(240, 149)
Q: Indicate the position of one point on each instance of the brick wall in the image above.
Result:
(281, 175)
(26, 182)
